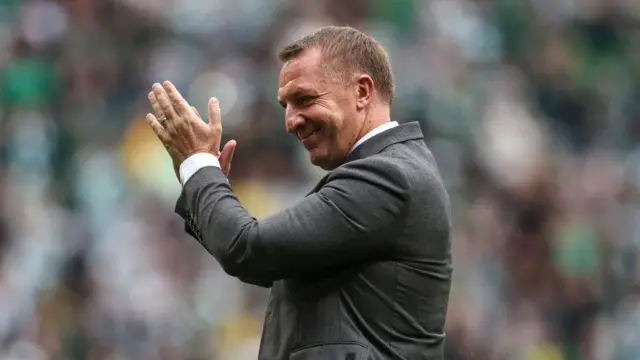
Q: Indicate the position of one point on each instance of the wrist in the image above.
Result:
(195, 162)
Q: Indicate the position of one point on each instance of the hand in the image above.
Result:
(181, 129)
(229, 148)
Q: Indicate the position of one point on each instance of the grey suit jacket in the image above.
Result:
(359, 269)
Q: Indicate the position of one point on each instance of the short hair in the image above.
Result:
(347, 50)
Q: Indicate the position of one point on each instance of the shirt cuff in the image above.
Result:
(194, 163)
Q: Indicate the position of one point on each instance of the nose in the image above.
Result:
(293, 120)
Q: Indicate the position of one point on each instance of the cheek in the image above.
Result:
(320, 115)
(336, 129)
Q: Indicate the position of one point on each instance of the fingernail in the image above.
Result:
(150, 94)
(166, 83)
(213, 100)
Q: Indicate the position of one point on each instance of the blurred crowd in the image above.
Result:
(530, 106)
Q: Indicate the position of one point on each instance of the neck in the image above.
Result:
(375, 117)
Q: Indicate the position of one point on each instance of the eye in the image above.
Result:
(304, 100)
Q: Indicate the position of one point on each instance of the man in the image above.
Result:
(361, 267)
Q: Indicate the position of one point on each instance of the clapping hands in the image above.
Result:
(181, 129)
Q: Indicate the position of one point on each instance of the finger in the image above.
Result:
(179, 103)
(215, 119)
(155, 106)
(165, 103)
(226, 157)
(157, 128)
(196, 111)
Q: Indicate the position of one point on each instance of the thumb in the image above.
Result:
(227, 156)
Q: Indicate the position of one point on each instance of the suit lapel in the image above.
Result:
(374, 145)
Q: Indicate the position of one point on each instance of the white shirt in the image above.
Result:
(197, 161)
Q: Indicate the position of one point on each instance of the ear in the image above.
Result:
(364, 91)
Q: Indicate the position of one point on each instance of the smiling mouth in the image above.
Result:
(315, 130)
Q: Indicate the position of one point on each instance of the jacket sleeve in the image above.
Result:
(340, 223)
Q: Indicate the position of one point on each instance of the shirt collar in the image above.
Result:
(379, 129)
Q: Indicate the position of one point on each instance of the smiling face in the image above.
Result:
(321, 111)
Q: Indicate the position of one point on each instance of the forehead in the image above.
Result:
(302, 73)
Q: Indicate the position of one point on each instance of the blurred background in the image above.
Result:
(532, 108)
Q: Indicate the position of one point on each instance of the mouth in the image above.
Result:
(306, 136)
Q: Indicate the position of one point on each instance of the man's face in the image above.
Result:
(319, 110)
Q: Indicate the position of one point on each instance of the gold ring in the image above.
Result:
(162, 119)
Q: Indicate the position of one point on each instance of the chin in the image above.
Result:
(324, 162)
